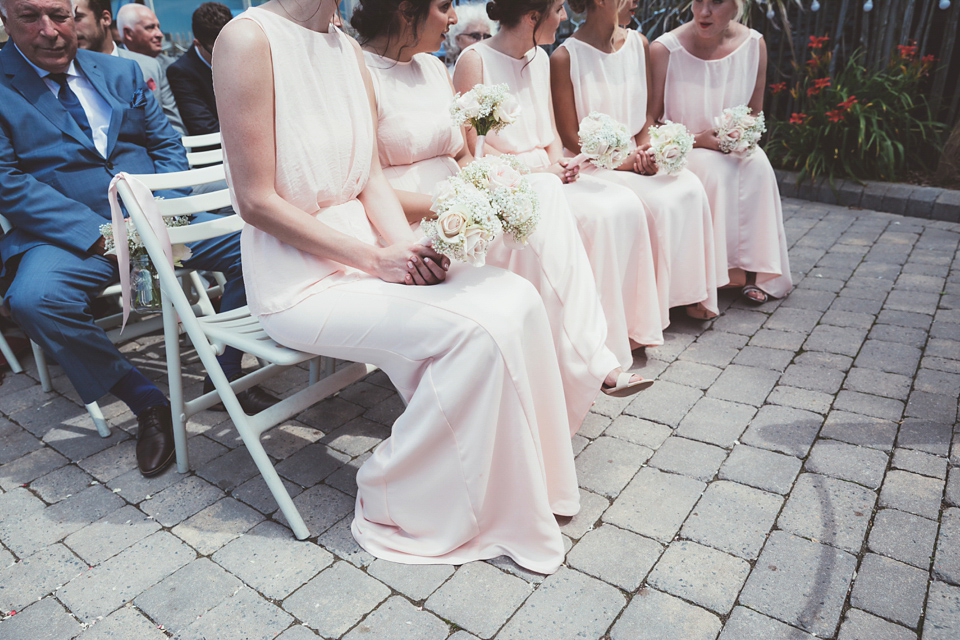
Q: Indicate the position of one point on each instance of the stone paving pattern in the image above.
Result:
(794, 474)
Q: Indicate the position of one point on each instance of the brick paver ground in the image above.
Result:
(795, 473)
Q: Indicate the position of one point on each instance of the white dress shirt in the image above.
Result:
(97, 109)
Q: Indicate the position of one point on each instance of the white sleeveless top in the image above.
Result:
(698, 90)
(611, 83)
(324, 139)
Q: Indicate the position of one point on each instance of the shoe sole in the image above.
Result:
(160, 469)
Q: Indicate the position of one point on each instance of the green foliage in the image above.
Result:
(857, 124)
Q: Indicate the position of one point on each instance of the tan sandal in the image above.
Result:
(626, 386)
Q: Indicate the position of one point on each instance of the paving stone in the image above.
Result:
(125, 622)
(925, 435)
(763, 357)
(397, 618)
(60, 484)
(848, 462)
(800, 582)
(16, 442)
(747, 385)
(340, 541)
(807, 299)
(943, 612)
(852, 319)
(35, 576)
(654, 504)
(912, 301)
(180, 501)
(859, 625)
(905, 319)
(760, 468)
(336, 599)
(733, 518)
(691, 374)
(653, 615)
(793, 320)
(716, 421)
(28, 468)
(860, 429)
(701, 575)
(229, 470)
(931, 381)
(689, 458)
(643, 432)
(800, 399)
(357, 436)
(298, 632)
(716, 355)
(592, 507)
(952, 494)
(878, 383)
(311, 464)
(102, 589)
(217, 525)
(744, 624)
(869, 405)
(833, 361)
(915, 338)
(740, 321)
(890, 589)
(946, 564)
(842, 340)
(593, 425)
(783, 429)
(568, 605)
(416, 581)
(857, 306)
(828, 510)
(903, 536)
(607, 464)
(920, 462)
(479, 582)
(269, 559)
(615, 556)
(321, 507)
(243, 615)
(664, 402)
(111, 534)
(135, 488)
(187, 594)
(45, 620)
(812, 378)
(932, 406)
(255, 493)
(912, 493)
(771, 339)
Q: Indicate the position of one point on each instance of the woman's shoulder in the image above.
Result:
(671, 40)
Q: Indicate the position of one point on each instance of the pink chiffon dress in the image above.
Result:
(610, 217)
(481, 459)
(677, 206)
(417, 153)
(744, 198)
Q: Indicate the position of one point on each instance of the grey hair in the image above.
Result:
(467, 13)
(128, 16)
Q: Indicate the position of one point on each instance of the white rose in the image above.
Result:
(451, 222)
(469, 104)
(445, 191)
(523, 208)
(503, 175)
(600, 149)
(732, 136)
(671, 152)
(181, 252)
(475, 242)
(508, 110)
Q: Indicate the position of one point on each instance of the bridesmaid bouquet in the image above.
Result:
(510, 194)
(486, 108)
(603, 141)
(738, 130)
(669, 144)
(466, 222)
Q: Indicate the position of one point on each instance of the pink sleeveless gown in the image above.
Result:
(481, 460)
(744, 198)
(677, 206)
(611, 219)
(417, 153)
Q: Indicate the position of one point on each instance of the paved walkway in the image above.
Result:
(794, 474)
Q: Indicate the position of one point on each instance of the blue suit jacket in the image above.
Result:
(53, 181)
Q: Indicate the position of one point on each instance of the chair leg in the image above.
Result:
(270, 475)
(94, 410)
(42, 370)
(9, 355)
(171, 339)
(315, 371)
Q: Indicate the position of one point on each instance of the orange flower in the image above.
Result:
(835, 116)
(822, 82)
(907, 51)
(778, 87)
(849, 102)
(798, 118)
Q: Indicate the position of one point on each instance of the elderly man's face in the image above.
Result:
(92, 30)
(43, 30)
(145, 36)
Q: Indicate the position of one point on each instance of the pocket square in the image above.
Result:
(139, 99)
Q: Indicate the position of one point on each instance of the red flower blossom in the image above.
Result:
(928, 59)
(849, 102)
(778, 87)
(817, 42)
(820, 83)
(907, 51)
(798, 118)
(835, 116)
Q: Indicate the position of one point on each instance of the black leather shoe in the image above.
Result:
(252, 400)
(155, 450)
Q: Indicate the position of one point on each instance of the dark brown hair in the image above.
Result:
(509, 13)
(384, 18)
(208, 20)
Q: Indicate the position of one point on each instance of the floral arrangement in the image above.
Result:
(510, 194)
(466, 222)
(669, 144)
(603, 141)
(486, 108)
(181, 252)
(738, 130)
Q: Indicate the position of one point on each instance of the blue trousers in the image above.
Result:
(51, 294)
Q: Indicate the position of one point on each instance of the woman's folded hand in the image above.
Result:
(413, 264)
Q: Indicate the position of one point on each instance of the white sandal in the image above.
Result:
(625, 386)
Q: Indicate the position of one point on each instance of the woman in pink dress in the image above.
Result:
(481, 459)
(699, 69)
(417, 153)
(602, 68)
(610, 217)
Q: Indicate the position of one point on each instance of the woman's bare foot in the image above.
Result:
(620, 384)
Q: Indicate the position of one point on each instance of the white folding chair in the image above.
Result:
(211, 334)
(199, 153)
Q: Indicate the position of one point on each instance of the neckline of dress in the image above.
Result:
(599, 50)
(332, 30)
(390, 61)
(735, 50)
(530, 54)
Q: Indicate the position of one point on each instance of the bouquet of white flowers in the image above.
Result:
(486, 108)
(669, 145)
(603, 141)
(145, 283)
(510, 194)
(466, 222)
(738, 130)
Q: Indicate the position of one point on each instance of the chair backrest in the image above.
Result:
(203, 150)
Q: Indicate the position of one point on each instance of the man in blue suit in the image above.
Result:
(69, 121)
